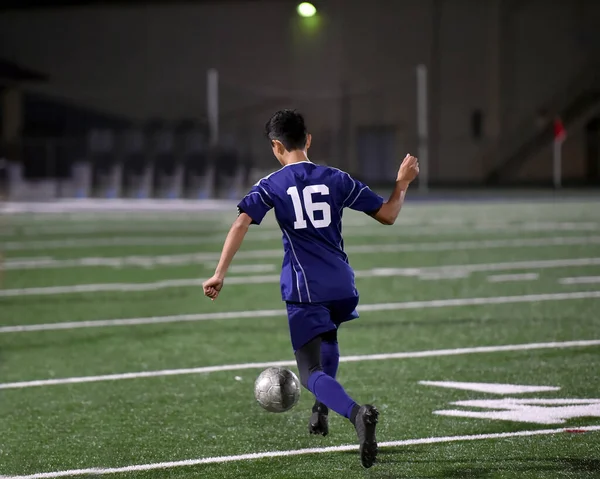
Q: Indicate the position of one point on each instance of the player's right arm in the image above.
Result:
(390, 209)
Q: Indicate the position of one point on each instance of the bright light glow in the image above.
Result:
(306, 9)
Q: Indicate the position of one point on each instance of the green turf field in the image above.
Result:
(136, 374)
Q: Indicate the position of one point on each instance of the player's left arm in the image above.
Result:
(234, 240)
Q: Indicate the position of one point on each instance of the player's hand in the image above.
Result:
(409, 169)
(212, 287)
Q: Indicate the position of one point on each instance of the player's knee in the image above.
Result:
(307, 365)
(308, 359)
(307, 371)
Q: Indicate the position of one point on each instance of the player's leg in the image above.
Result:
(330, 359)
(325, 388)
(366, 419)
(308, 322)
(330, 353)
(331, 393)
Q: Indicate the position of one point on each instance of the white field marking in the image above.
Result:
(527, 410)
(192, 225)
(201, 238)
(25, 259)
(181, 318)
(113, 206)
(272, 235)
(108, 229)
(580, 280)
(444, 271)
(449, 271)
(542, 226)
(218, 232)
(453, 271)
(453, 274)
(191, 258)
(296, 452)
(248, 268)
(493, 388)
(503, 278)
(117, 241)
(436, 303)
(344, 359)
(481, 267)
(129, 287)
(198, 225)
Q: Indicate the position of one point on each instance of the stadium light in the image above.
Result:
(306, 10)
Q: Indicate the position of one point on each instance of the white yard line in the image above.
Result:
(503, 278)
(344, 359)
(483, 267)
(122, 206)
(247, 268)
(200, 226)
(267, 313)
(117, 241)
(580, 280)
(298, 452)
(191, 258)
(121, 241)
(444, 271)
(201, 237)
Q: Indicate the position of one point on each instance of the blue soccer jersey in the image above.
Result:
(308, 200)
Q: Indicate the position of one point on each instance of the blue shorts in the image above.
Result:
(309, 320)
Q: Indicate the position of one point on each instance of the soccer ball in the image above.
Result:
(277, 389)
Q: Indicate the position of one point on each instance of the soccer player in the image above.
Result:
(317, 282)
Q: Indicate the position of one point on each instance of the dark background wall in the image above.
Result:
(354, 68)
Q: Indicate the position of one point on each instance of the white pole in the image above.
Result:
(557, 160)
(212, 104)
(422, 127)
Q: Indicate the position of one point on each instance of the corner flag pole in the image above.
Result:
(559, 138)
(422, 127)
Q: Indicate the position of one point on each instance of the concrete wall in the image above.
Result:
(503, 57)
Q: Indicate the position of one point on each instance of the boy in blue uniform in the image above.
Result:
(317, 282)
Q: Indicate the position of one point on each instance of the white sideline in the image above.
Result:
(391, 248)
(297, 452)
(274, 278)
(344, 359)
(266, 313)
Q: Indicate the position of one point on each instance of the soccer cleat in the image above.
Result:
(366, 421)
(319, 421)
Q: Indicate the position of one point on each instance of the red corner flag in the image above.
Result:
(560, 134)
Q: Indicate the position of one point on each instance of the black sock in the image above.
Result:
(353, 414)
(320, 407)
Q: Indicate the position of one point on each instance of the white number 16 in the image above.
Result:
(310, 206)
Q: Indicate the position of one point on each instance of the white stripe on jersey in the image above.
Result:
(260, 196)
(301, 268)
(268, 195)
(357, 196)
(351, 191)
(285, 166)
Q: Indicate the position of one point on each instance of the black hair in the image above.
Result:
(287, 126)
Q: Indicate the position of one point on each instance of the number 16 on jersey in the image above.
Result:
(310, 206)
